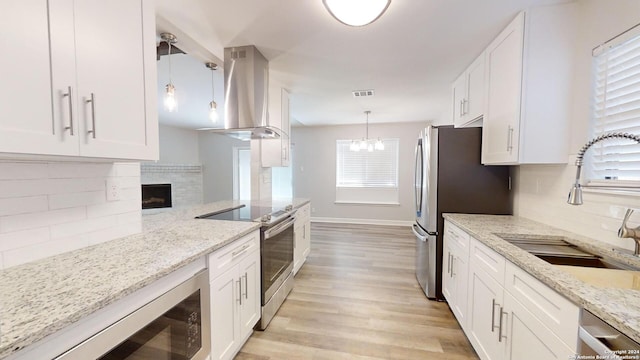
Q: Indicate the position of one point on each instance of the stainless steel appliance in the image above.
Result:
(246, 86)
(598, 338)
(175, 325)
(276, 252)
(449, 178)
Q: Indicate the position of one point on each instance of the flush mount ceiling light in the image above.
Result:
(170, 102)
(366, 143)
(213, 111)
(356, 12)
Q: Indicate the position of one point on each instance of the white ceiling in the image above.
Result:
(409, 56)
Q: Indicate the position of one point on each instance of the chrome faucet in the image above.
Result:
(626, 232)
(575, 195)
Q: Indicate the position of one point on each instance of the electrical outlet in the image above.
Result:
(313, 209)
(113, 190)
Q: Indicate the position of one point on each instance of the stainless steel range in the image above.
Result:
(276, 251)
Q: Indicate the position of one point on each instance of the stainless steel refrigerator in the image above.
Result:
(449, 178)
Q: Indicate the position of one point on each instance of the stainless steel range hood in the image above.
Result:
(246, 84)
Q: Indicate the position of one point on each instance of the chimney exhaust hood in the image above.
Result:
(246, 84)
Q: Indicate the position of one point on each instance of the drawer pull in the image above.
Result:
(241, 250)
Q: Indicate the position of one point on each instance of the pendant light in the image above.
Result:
(356, 12)
(213, 111)
(170, 102)
(365, 143)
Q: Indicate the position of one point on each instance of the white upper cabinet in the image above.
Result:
(276, 152)
(528, 71)
(78, 77)
(468, 95)
(34, 119)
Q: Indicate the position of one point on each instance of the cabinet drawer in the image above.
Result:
(551, 308)
(222, 259)
(457, 237)
(488, 260)
(303, 212)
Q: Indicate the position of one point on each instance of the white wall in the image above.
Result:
(541, 191)
(48, 208)
(178, 146)
(314, 173)
(216, 155)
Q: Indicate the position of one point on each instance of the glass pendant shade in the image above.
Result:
(170, 102)
(356, 12)
(379, 145)
(213, 112)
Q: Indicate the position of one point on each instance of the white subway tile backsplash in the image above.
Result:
(128, 169)
(47, 208)
(20, 188)
(63, 186)
(40, 219)
(77, 199)
(113, 208)
(541, 195)
(77, 170)
(18, 239)
(114, 233)
(83, 226)
(23, 205)
(22, 170)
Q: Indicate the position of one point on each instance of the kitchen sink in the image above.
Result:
(557, 251)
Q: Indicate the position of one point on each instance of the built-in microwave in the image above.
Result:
(174, 326)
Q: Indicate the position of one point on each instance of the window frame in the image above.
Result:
(593, 183)
(368, 195)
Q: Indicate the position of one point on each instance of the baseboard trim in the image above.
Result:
(361, 221)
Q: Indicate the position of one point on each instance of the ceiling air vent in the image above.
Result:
(362, 93)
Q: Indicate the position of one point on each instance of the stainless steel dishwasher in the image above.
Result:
(599, 338)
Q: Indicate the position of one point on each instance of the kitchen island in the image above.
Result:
(616, 304)
(39, 299)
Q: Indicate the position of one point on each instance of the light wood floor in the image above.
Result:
(356, 297)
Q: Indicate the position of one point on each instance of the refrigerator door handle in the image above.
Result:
(416, 232)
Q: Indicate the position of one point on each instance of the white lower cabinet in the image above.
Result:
(510, 314)
(235, 295)
(302, 237)
(485, 301)
(526, 338)
(455, 272)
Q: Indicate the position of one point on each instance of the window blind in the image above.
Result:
(367, 169)
(616, 108)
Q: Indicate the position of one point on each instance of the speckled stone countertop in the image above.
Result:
(618, 307)
(42, 297)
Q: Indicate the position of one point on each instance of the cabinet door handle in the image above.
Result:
(453, 264)
(500, 336)
(92, 100)
(240, 290)
(464, 106)
(460, 108)
(69, 97)
(493, 315)
(509, 138)
(246, 286)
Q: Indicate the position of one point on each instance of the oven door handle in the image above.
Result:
(596, 345)
(279, 228)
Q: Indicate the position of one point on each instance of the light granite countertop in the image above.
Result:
(39, 298)
(617, 306)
